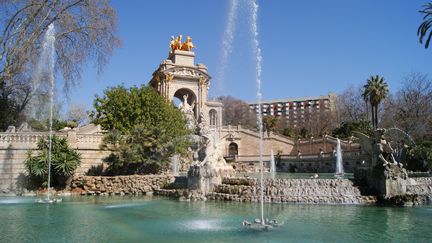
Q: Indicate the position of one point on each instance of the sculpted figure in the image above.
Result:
(377, 148)
(188, 111)
(172, 43)
(188, 45)
(178, 42)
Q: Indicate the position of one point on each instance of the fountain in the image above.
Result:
(227, 43)
(46, 66)
(175, 164)
(272, 165)
(339, 161)
(259, 224)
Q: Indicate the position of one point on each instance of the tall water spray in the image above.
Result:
(272, 165)
(258, 59)
(45, 73)
(227, 43)
(339, 162)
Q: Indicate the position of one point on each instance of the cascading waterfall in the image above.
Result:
(272, 165)
(258, 59)
(227, 42)
(339, 162)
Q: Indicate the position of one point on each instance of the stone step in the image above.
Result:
(295, 199)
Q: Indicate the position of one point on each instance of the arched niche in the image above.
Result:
(232, 149)
(183, 93)
(213, 116)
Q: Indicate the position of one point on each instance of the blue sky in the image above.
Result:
(309, 48)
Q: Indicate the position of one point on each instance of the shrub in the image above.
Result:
(64, 161)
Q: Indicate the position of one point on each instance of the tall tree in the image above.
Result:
(375, 90)
(85, 31)
(145, 129)
(237, 112)
(424, 32)
(77, 113)
(352, 105)
(413, 106)
(269, 124)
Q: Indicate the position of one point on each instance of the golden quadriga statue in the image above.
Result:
(176, 44)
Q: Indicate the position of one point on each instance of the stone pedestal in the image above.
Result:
(391, 180)
(205, 177)
(184, 58)
(385, 181)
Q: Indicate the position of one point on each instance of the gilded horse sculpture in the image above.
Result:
(176, 44)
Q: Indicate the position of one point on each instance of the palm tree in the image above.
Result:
(424, 27)
(375, 90)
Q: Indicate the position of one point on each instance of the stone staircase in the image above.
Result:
(312, 191)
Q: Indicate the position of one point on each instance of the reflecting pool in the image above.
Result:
(154, 219)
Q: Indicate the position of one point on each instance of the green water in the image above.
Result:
(153, 219)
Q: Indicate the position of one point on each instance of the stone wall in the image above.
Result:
(327, 144)
(119, 185)
(14, 147)
(422, 187)
(305, 191)
(248, 141)
(316, 191)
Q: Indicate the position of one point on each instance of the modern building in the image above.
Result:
(297, 111)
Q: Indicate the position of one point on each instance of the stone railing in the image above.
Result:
(26, 139)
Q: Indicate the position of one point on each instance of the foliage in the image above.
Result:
(352, 106)
(237, 112)
(85, 31)
(412, 106)
(77, 113)
(423, 30)
(64, 160)
(419, 158)
(346, 129)
(145, 130)
(12, 102)
(289, 132)
(269, 124)
(375, 90)
(37, 125)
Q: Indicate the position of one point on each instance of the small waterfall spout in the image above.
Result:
(272, 165)
(175, 164)
(339, 162)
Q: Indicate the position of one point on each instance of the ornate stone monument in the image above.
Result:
(179, 77)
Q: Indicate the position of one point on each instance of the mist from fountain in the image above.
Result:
(227, 43)
(45, 72)
(272, 165)
(258, 60)
(339, 161)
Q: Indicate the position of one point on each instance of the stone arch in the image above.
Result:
(232, 149)
(213, 118)
(191, 98)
